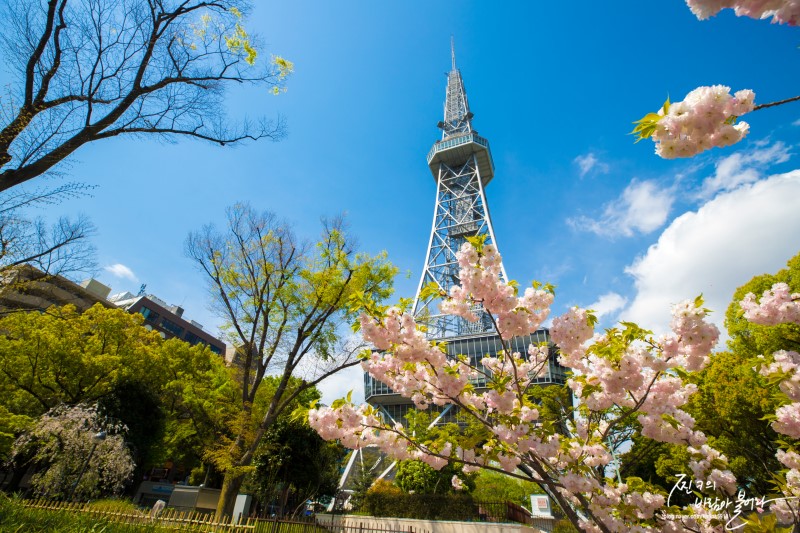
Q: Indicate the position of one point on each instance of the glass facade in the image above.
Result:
(475, 348)
(172, 327)
(149, 315)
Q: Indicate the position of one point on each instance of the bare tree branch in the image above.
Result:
(59, 248)
(100, 68)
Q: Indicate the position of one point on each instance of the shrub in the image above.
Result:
(421, 506)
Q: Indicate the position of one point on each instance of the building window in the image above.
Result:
(192, 339)
(148, 314)
(172, 327)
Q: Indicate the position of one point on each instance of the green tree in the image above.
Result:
(419, 478)
(90, 71)
(137, 408)
(284, 303)
(173, 398)
(731, 402)
(63, 356)
(295, 464)
(752, 340)
(198, 396)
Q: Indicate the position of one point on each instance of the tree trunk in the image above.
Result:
(231, 484)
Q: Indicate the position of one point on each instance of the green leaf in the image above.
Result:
(431, 291)
(698, 302)
(671, 420)
(646, 126)
(340, 402)
(478, 241)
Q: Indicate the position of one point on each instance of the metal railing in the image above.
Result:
(456, 141)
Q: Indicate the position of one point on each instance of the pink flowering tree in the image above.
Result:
(708, 117)
(778, 305)
(68, 462)
(625, 377)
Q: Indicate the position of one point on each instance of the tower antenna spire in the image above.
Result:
(453, 51)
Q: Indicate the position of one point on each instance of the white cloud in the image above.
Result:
(608, 304)
(737, 235)
(742, 168)
(796, 122)
(588, 162)
(643, 207)
(121, 271)
(339, 384)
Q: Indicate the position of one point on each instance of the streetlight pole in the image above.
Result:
(97, 438)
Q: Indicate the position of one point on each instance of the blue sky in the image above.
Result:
(574, 201)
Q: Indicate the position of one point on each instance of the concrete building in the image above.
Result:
(27, 288)
(167, 319)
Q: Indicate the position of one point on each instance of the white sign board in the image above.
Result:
(540, 505)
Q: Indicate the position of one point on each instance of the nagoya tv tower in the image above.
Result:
(461, 164)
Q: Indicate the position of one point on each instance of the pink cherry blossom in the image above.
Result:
(706, 118)
(781, 11)
(777, 306)
(614, 372)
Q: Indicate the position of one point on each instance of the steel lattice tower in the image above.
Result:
(461, 164)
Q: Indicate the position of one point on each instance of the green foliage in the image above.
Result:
(11, 425)
(361, 487)
(420, 478)
(431, 290)
(646, 126)
(495, 486)
(756, 523)
(554, 403)
(478, 241)
(730, 406)
(751, 340)
(63, 356)
(295, 463)
(172, 398)
(113, 505)
(421, 506)
(137, 407)
(386, 487)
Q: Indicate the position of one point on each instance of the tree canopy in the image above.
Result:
(172, 398)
